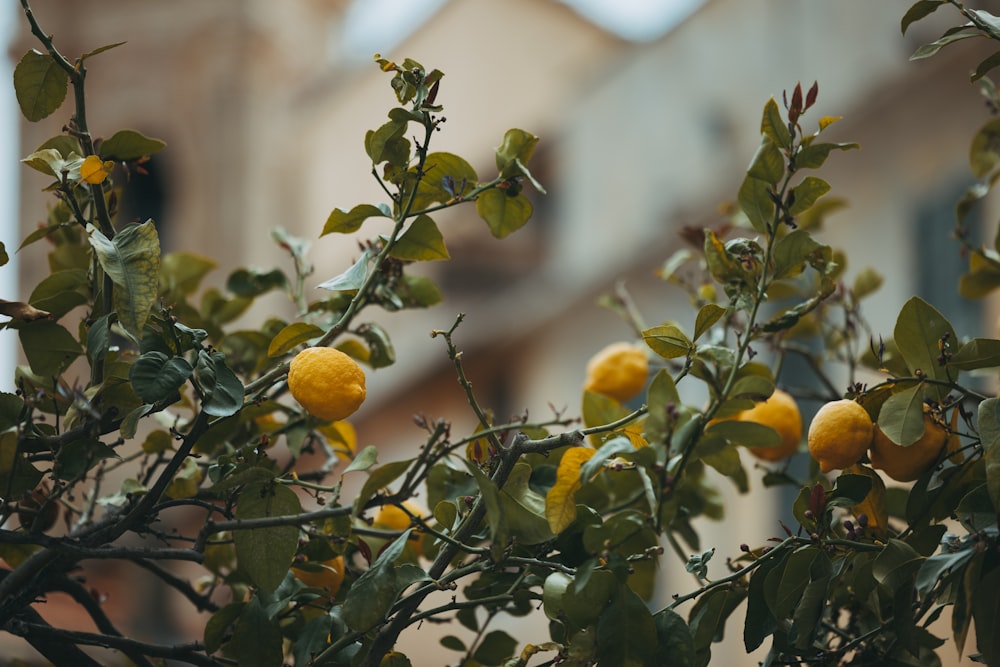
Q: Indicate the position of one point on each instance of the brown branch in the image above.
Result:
(192, 654)
(182, 586)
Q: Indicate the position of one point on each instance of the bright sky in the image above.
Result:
(373, 26)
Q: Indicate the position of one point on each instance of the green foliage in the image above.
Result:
(572, 524)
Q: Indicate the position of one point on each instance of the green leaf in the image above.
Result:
(16, 473)
(490, 494)
(805, 194)
(127, 145)
(75, 458)
(11, 406)
(65, 144)
(49, 348)
(292, 335)
(767, 165)
(132, 261)
(387, 144)
(794, 576)
(374, 592)
(928, 50)
(251, 283)
(157, 377)
(626, 631)
(983, 277)
(352, 279)
(918, 332)
(755, 200)
(989, 432)
(381, 352)
(708, 616)
(668, 341)
(986, 614)
(976, 353)
(901, 417)
(867, 282)
(218, 624)
(257, 640)
(524, 509)
(346, 223)
(896, 565)
(759, 622)
(987, 65)
(422, 241)
(446, 177)
(379, 478)
(514, 152)
(661, 393)
(265, 554)
(814, 155)
(850, 490)
(49, 161)
(944, 565)
(418, 292)
(40, 85)
(918, 11)
(675, 646)
(745, 434)
(503, 214)
(809, 610)
(708, 315)
(495, 648)
(452, 643)
(222, 391)
(773, 125)
(181, 273)
(61, 292)
(984, 152)
(794, 250)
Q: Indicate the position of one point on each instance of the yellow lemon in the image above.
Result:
(326, 382)
(619, 370)
(905, 464)
(327, 575)
(390, 517)
(839, 434)
(780, 412)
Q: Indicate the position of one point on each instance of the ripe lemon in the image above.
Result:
(780, 412)
(839, 434)
(619, 370)
(390, 517)
(326, 382)
(327, 575)
(905, 464)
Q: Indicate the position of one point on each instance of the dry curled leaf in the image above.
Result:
(25, 312)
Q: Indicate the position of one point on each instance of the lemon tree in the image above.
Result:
(141, 400)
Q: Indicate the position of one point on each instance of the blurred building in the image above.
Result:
(264, 113)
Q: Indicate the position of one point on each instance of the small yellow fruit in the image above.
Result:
(390, 517)
(327, 575)
(619, 370)
(905, 464)
(326, 382)
(840, 434)
(780, 412)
